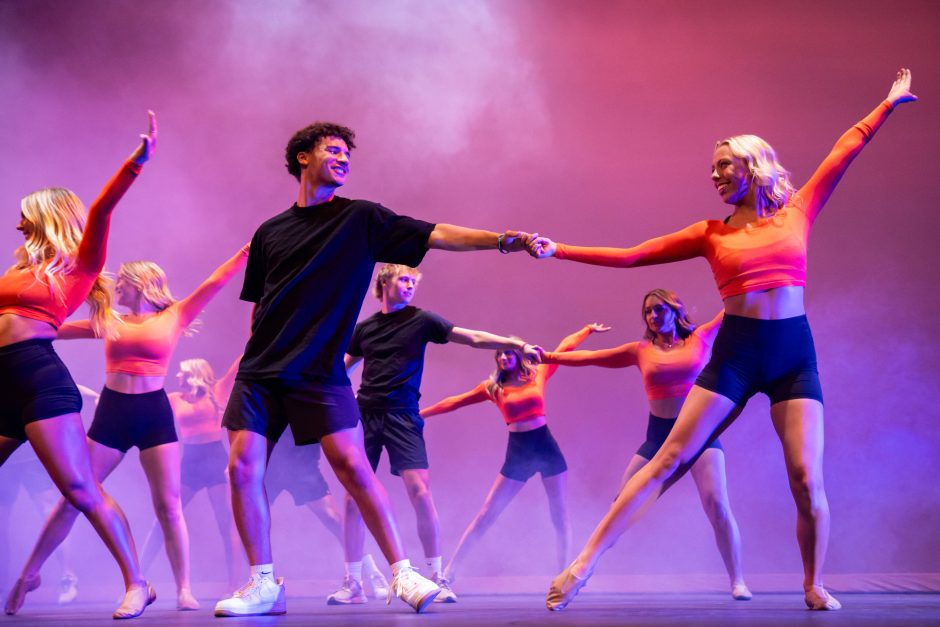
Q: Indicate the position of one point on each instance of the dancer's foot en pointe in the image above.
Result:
(18, 593)
(566, 586)
(740, 592)
(136, 600)
(817, 598)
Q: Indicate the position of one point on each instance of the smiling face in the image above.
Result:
(659, 316)
(730, 175)
(326, 164)
(399, 290)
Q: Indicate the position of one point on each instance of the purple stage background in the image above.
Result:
(592, 122)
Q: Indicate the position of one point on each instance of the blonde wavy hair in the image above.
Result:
(57, 220)
(498, 378)
(684, 325)
(766, 173)
(200, 373)
(150, 280)
(391, 271)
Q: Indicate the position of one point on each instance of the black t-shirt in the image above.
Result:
(393, 345)
(308, 271)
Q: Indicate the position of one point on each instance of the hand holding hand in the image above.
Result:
(598, 327)
(901, 88)
(514, 241)
(148, 142)
(533, 353)
(540, 247)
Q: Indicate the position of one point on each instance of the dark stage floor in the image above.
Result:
(687, 610)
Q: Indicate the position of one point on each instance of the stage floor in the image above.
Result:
(699, 610)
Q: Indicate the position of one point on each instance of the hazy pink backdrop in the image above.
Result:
(592, 122)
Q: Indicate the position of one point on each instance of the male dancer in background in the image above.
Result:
(392, 342)
(308, 272)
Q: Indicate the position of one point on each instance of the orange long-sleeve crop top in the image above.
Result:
(24, 293)
(761, 256)
(516, 403)
(666, 374)
(199, 421)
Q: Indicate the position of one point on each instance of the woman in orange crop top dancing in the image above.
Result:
(758, 257)
(58, 267)
(671, 354)
(134, 410)
(518, 389)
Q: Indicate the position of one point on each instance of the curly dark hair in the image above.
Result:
(308, 137)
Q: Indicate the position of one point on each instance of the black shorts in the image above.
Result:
(297, 470)
(34, 385)
(529, 452)
(203, 465)
(775, 357)
(313, 410)
(123, 421)
(402, 435)
(656, 431)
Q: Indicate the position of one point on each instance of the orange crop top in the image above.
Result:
(762, 256)
(516, 403)
(200, 421)
(666, 374)
(23, 294)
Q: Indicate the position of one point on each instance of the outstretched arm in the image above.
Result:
(190, 306)
(708, 330)
(622, 356)
(94, 245)
(451, 403)
(459, 238)
(813, 196)
(678, 246)
(570, 343)
(483, 339)
(223, 387)
(78, 330)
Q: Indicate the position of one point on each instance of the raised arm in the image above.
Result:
(223, 386)
(78, 330)
(678, 246)
(94, 245)
(813, 196)
(483, 339)
(547, 369)
(451, 403)
(622, 356)
(708, 330)
(459, 238)
(190, 306)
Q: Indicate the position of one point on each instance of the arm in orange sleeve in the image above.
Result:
(93, 248)
(451, 403)
(820, 186)
(546, 370)
(708, 330)
(78, 330)
(622, 356)
(678, 246)
(190, 306)
(223, 387)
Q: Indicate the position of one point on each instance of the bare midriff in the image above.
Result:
(133, 383)
(777, 303)
(529, 424)
(14, 328)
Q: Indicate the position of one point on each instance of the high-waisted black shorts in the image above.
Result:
(295, 469)
(203, 465)
(34, 385)
(126, 420)
(775, 357)
(529, 452)
(656, 431)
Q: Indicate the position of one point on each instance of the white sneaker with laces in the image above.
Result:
(379, 585)
(350, 593)
(261, 596)
(413, 589)
(447, 594)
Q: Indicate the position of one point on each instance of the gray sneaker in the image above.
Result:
(350, 593)
(447, 594)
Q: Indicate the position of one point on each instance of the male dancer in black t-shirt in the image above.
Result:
(392, 342)
(308, 272)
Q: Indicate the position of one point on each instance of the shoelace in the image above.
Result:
(246, 589)
(397, 586)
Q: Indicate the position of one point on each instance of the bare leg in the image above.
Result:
(636, 462)
(503, 491)
(220, 500)
(248, 455)
(354, 531)
(154, 540)
(556, 488)
(418, 487)
(45, 501)
(61, 446)
(711, 481)
(346, 454)
(325, 510)
(799, 424)
(161, 465)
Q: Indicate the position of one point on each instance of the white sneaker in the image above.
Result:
(259, 597)
(68, 588)
(379, 585)
(350, 593)
(447, 594)
(413, 589)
